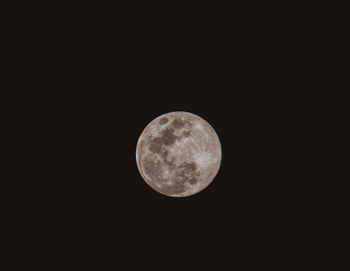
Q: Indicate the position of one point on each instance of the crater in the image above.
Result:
(163, 121)
(168, 136)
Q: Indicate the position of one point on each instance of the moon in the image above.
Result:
(178, 154)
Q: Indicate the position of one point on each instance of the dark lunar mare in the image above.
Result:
(186, 133)
(193, 181)
(168, 136)
(189, 167)
(163, 121)
(156, 145)
(184, 173)
(177, 123)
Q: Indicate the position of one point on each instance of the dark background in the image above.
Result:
(81, 90)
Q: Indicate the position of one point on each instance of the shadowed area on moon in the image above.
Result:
(168, 174)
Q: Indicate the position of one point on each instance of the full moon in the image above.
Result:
(178, 154)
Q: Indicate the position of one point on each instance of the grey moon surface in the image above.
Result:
(178, 154)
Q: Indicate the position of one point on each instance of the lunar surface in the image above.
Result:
(178, 154)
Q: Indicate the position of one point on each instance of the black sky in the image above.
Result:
(79, 98)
